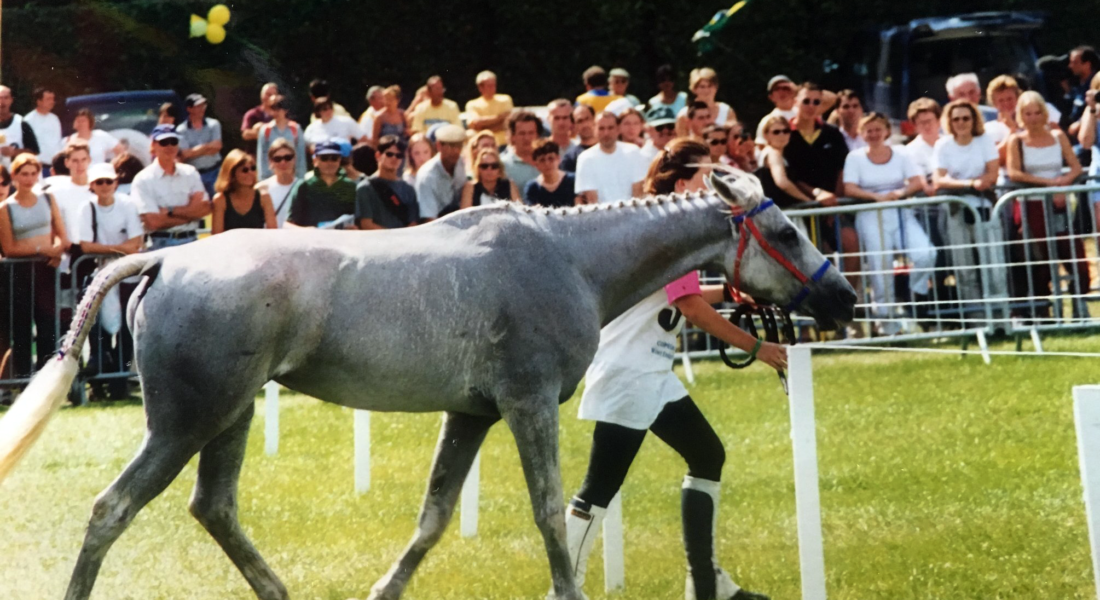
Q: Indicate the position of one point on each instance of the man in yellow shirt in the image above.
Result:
(436, 110)
(490, 111)
(597, 96)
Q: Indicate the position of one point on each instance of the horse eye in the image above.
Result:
(789, 236)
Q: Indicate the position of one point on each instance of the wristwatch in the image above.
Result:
(170, 213)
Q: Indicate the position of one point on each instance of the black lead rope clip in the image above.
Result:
(773, 320)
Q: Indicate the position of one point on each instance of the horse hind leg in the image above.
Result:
(214, 505)
(459, 440)
(533, 420)
(159, 461)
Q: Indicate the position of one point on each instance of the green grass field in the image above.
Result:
(940, 478)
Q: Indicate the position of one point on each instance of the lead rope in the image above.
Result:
(774, 320)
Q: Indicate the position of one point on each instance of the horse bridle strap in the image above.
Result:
(748, 229)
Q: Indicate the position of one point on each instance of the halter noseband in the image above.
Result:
(748, 229)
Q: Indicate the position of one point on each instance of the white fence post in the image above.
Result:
(811, 548)
(362, 451)
(614, 569)
(1086, 414)
(271, 418)
(470, 494)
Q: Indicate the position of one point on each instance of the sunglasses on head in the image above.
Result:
(103, 182)
(168, 142)
(719, 141)
(814, 101)
(329, 157)
(780, 132)
(489, 166)
(392, 154)
(280, 158)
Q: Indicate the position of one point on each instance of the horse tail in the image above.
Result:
(27, 418)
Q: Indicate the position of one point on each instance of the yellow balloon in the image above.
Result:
(219, 14)
(215, 34)
(198, 26)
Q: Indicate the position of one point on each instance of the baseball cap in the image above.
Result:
(163, 132)
(777, 80)
(194, 100)
(450, 134)
(102, 171)
(660, 115)
(619, 72)
(327, 147)
(345, 147)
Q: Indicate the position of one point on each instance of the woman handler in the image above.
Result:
(630, 388)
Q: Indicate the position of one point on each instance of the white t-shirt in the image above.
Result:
(611, 175)
(996, 131)
(71, 201)
(630, 379)
(337, 127)
(47, 130)
(721, 118)
(101, 146)
(920, 152)
(855, 142)
(879, 179)
(280, 199)
(963, 162)
(649, 151)
(115, 224)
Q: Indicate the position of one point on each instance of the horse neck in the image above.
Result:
(628, 252)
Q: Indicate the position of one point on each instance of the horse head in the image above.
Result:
(774, 262)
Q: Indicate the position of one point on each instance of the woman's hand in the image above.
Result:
(774, 355)
(1060, 201)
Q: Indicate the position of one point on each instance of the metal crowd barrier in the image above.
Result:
(37, 314)
(993, 268)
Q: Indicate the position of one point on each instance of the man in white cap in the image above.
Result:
(441, 178)
(170, 194)
(782, 92)
(111, 225)
(619, 80)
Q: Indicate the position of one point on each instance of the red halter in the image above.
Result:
(748, 229)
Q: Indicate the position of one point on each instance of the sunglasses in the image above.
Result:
(329, 157)
(246, 169)
(814, 101)
(780, 132)
(103, 182)
(489, 166)
(665, 128)
(281, 158)
(719, 141)
(168, 142)
(392, 154)
(961, 119)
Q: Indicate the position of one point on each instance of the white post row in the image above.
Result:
(811, 547)
(471, 489)
(614, 569)
(362, 451)
(271, 418)
(1086, 415)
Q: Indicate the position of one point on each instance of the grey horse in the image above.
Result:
(491, 313)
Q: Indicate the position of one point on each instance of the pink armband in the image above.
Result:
(687, 285)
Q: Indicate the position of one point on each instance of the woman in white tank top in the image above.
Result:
(1036, 157)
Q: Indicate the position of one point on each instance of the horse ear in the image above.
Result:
(743, 192)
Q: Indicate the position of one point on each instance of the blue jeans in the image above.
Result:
(208, 179)
(156, 243)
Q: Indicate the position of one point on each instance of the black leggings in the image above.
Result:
(680, 425)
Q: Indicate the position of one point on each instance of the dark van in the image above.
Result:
(894, 65)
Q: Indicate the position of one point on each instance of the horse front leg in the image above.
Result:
(534, 424)
(459, 440)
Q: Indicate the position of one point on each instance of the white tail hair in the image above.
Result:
(28, 417)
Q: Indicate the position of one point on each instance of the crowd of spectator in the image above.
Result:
(400, 166)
